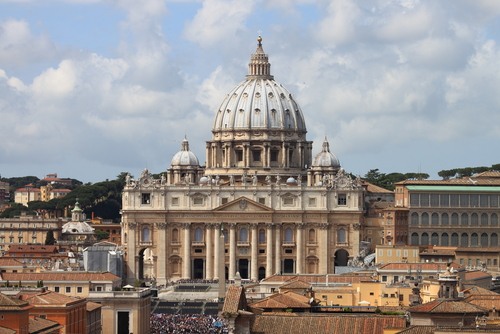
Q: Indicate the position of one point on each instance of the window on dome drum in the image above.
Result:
(274, 155)
(145, 198)
(239, 155)
(342, 199)
(256, 154)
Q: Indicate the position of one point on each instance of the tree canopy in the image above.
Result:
(466, 171)
(387, 181)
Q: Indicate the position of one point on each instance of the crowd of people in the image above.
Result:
(187, 324)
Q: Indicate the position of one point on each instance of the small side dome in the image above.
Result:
(325, 158)
(184, 157)
(203, 180)
(291, 181)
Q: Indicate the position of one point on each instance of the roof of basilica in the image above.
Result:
(259, 102)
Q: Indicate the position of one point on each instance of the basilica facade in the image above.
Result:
(261, 204)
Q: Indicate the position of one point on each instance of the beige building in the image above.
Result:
(261, 197)
(27, 229)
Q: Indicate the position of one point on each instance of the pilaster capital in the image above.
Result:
(254, 226)
(232, 226)
(324, 226)
(132, 225)
(186, 226)
(161, 226)
(269, 226)
(301, 226)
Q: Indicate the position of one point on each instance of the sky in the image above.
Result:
(91, 88)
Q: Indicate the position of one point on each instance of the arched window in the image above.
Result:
(198, 235)
(484, 219)
(454, 219)
(414, 218)
(435, 219)
(312, 236)
(341, 236)
(414, 239)
(243, 235)
(454, 239)
(424, 239)
(464, 219)
(474, 240)
(474, 219)
(425, 218)
(288, 235)
(444, 219)
(175, 235)
(464, 240)
(145, 235)
(484, 240)
(445, 239)
(435, 239)
(494, 219)
(494, 240)
(262, 236)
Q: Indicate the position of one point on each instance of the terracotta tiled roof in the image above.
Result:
(294, 323)
(235, 300)
(91, 306)
(487, 302)
(435, 266)
(371, 188)
(10, 262)
(283, 301)
(489, 173)
(347, 278)
(446, 306)
(49, 298)
(31, 190)
(27, 249)
(4, 330)
(40, 325)
(418, 330)
(11, 304)
(298, 284)
(75, 276)
(478, 291)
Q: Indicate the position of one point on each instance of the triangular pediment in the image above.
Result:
(243, 204)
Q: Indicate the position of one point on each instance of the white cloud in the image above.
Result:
(219, 21)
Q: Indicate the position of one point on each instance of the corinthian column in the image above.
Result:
(161, 247)
(232, 250)
(300, 248)
(277, 239)
(323, 249)
(209, 252)
(186, 260)
(254, 272)
(217, 252)
(131, 261)
(269, 250)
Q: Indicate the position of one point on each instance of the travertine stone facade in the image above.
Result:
(280, 210)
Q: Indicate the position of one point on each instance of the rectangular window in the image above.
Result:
(414, 200)
(424, 200)
(342, 199)
(256, 155)
(198, 201)
(68, 289)
(175, 201)
(288, 251)
(262, 200)
(56, 289)
(464, 200)
(312, 201)
(474, 200)
(435, 200)
(223, 200)
(79, 289)
(444, 200)
(384, 278)
(274, 155)
(288, 201)
(239, 155)
(146, 198)
(454, 200)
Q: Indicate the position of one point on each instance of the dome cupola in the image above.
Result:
(325, 158)
(184, 157)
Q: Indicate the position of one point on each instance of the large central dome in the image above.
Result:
(258, 127)
(259, 102)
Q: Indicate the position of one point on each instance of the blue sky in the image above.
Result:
(90, 88)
